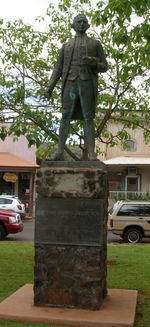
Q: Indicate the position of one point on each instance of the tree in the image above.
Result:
(27, 58)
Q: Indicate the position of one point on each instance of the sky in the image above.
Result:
(27, 10)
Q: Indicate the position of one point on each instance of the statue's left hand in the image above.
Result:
(90, 61)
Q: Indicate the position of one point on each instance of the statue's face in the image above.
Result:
(81, 24)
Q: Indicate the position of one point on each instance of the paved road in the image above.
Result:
(28, 235)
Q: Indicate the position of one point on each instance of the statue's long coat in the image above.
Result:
(95, 50)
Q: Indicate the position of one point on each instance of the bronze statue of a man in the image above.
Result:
(79, 62)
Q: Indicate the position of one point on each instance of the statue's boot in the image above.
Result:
(63, 133)
(58, 156)
(90, 136)
(93, 157)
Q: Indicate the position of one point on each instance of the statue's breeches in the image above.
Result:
(79, 100)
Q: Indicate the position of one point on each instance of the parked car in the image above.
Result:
(10, 223)
(131, 220)
(110, 211)
(11, 202)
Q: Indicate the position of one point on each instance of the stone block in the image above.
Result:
(70, 235)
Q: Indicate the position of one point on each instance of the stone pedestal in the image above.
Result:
(71, 235)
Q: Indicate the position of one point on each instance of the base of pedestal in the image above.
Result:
(71, 235)
(118, 310)
(70, 276)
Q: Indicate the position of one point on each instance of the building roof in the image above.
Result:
(128, 161)
(8, 159)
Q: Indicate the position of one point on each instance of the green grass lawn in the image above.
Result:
(128, 268)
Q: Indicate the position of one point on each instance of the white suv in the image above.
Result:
(11, 202)
(131, 220)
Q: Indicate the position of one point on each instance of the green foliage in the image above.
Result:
(27, 58)
(132, 196)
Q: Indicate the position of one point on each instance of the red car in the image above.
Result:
(10, 223)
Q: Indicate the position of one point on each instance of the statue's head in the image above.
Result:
(80, 23)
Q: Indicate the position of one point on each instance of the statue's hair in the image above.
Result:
(78, 16)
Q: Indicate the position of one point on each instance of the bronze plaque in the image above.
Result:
(69, 221)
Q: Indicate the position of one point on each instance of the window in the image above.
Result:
(132, 184)
(8, 201)
(131, 210)
(5, 201)
(116, 181)
(129, 145)
(147, 210)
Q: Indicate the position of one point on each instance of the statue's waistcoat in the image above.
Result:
(68, 58)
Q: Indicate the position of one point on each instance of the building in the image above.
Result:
(128, 168)
(128, 165)
(17, 171)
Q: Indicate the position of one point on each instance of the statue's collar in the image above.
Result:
(81, 36)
